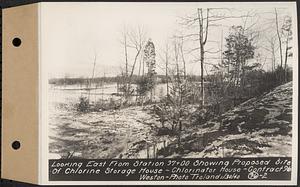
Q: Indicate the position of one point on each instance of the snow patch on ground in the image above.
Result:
(258, 127)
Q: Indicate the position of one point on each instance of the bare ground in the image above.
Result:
(107, 134)
(258, 127)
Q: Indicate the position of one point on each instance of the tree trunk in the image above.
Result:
(167, 79)
(285, 60)
(273, 56)
(126, 56)
(280, 45)
(202, 76)
(243, 73)
(126, 65)
(183, 59)
(201, 47)
(131, 73)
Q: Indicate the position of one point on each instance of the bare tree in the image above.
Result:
(125, 53)
(176, 58)
(92, 77)
(202, 41)
(203, 20)
(287, 33)
(182, 57)
(133, 39)
(279, 37)
(272, 49)
(167, 66)
(165, 57)
(137, 40)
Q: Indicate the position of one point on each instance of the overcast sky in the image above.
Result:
(72, 33)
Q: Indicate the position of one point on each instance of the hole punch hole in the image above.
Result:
(16, 145)
(16, 42)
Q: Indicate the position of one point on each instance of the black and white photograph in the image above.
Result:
(169, 80)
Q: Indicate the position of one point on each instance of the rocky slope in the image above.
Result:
(258, 127)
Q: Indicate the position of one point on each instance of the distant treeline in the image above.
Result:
(116, 79)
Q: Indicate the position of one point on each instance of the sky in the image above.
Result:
(72, 34)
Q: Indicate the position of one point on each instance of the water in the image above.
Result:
(70, 93)
(85, 134)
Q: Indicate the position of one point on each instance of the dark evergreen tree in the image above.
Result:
(147, 83)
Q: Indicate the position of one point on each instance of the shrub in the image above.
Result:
(83, 105)
(102, 105)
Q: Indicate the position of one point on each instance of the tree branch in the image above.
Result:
(206, 30)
